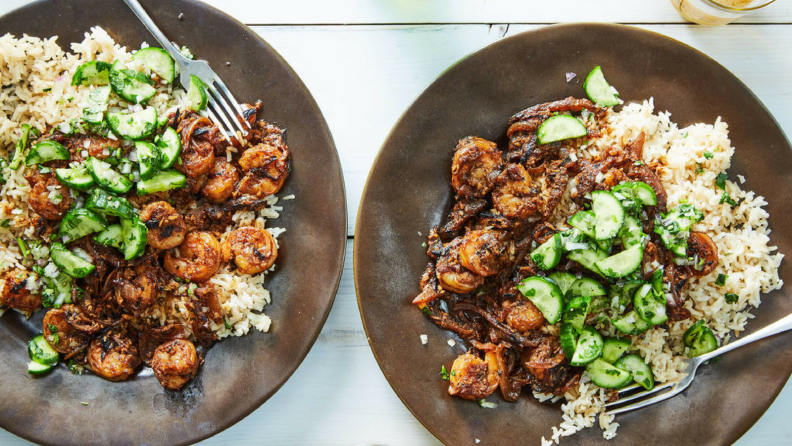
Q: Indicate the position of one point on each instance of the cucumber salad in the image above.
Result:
(557, 262)
(129, 212)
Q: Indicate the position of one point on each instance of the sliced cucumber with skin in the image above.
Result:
(568, 337)
(545, 295)
(614, 348)
(649, 306)
(548, 254)
(588, 258)
(641, 372)
(631, 324)
(608, 214)
(621, 264)
(628, 291)
(108, 204)
(34, 368)
(637, 191)
(47, 150)
(134, 126)
(78, 223)
(560, 127)
(576, 312)
(586, 286)
(573, 239)
(110, 236)
(605, 245)
(632, 232)
(94, 72)
(78, 177)
(606, 375)
(158, 61)
(106, 177)
(148, 156)
(170, 146)
(97, 105)
(130, 85)
(700, 339)
(563, 279)
(163, 181)
(196, 94)
(598, 89)
(589, 347)
(69, 263)
(675, 227)
(134, 235)
(40, 351)
(584, 222)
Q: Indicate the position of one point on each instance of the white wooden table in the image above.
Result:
(365, 61)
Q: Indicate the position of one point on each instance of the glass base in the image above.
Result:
(701, 12)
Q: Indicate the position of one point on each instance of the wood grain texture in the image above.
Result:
(363, 78)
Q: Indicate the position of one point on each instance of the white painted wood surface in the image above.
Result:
(363, 77)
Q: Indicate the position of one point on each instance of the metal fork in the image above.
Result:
(670, 389)
(221, 102)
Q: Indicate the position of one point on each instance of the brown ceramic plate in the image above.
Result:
(408, 192)
(239, 373)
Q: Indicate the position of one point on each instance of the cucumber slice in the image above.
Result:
(105, 203)
(605, 245)
(632, 232)
(196, 94)
(573, 239)
(641, 372)
(41, 351)
(548, 254)
(106, 177)
(584, 222)
(586, 286)
(148, 156)
(651, 308)
(545, 295)
(588, 258)
(563, 279)
(608, 214)
(589, 347)
(44, 151)
(92, 73)
(111, 236)
(598, 89)
(606, 375)
(78, 177)
(69, 263)
(560, 127)
(621, 264)
(170, 146)
(158, 61)
(675, 227)
(78, 223)
(568, 338)
(700, 339)
(97, 104)
(34, 368)
(628, 291)
(162, 181)
(576, 312)
(21, 145)
(631, 324)
(134, 235)
(637, 191)
(130, 85)
(614, 348)
(137, 125)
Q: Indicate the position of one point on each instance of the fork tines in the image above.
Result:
(223, 105)
(645, 398)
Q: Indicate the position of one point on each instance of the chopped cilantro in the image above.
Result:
(83, 403)
(47, 90)
(5, 223)
(708, 155)
(731, 298)
(699, 169)
(639, 163)
(720, 181)
(725, 198)
(721, 280)
(444, 374)
(225, 322)
(425, 310)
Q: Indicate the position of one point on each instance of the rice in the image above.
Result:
(741, 234)
(35, 75)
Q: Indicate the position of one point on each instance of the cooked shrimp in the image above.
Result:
(136, 288)
(16, 293)
(166, 227)
(221, 182)
(476, 164)
(514, 196)
(175, 363)
(266, 167)
(452, 275)
(47, 196)
(473, 378)
(113, 356)
(198, 154)
(702, 248)
(199, 260)
(61, 334)
(252, 249)
(523, 316)
(482, 252)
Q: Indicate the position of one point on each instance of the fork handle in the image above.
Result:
(776, 327)
(137, 8)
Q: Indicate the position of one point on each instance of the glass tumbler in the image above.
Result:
(717, 12)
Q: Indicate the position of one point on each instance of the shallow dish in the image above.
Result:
(476, 97)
